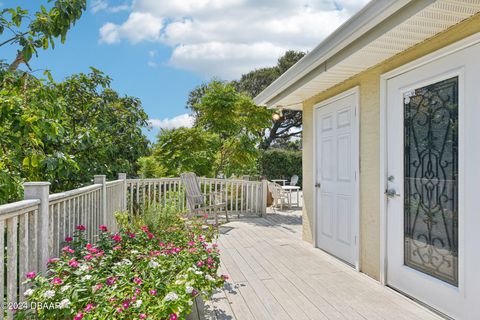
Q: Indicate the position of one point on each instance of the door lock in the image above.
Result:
(391, 193)
(317, 185)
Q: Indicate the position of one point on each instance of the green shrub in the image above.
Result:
(280, 164)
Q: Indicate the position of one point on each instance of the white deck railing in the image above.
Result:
(243, 197)
(34, 229)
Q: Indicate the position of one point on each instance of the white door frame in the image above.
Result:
(448, 50)
(353, 91)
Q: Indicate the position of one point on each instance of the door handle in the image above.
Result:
(317, 185)
(391, 193)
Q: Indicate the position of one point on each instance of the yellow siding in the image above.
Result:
(369, 83)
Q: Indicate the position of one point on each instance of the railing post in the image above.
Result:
(123, 176)
(40, 191)
(102, 179)
(264, 197)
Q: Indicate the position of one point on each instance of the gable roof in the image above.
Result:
(382, 29)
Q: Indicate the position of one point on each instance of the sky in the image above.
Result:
(159, 50)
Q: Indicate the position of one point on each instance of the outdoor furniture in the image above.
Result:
(278, 194)
(289, 190)
(197, 201)
(293, 180)
(280, 181)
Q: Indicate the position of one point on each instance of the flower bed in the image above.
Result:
(138, 273)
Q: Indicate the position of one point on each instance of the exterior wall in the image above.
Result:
(369, 84)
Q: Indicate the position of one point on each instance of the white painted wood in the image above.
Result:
(40, 191)
(458, 302)
(336, 167)
(2, 264)
(12, 263)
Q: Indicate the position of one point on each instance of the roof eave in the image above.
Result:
(365, 20)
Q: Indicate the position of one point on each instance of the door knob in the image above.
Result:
(391, 193)
(317, 185)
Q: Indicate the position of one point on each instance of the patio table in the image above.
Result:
(280, 181)
(290, 190)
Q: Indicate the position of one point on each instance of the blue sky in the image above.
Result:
(158, 50)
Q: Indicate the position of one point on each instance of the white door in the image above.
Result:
(433, 161)
(336, 174)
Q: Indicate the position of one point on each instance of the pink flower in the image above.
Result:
(79, 316)
(177, 250)
(191, 243)
(68, 249)
(88, 257)
(200, 264)
(150, 235)
(56, 281)
(137, 291)
(110, 281)
(225, 277)
(97, 287)
(173, 316)
(52, 260)
(116, 248)
(191, 250)
(68, 239)
(119, 310)
(31, 275)
(144, 228)
(153, 292)
(142, 316)
(194, 293)
(125, 304)
(215, 245)
(210, 260)
(205, 216)
(73, 263)
(132, 235)
(117, 238)
(161, 244)
(137, 281)
(80, 227)
(89, 307)
(103, 228)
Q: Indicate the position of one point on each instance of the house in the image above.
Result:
(391, 119)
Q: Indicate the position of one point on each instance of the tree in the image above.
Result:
(289, 122)
(238, 123)
(186, 150)
(43, 27)
(66, 132)
(60, 132)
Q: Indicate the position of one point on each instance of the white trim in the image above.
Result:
(448, 50)
(368, 18)
(353, 91)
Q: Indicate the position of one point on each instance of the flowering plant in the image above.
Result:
(137, 273)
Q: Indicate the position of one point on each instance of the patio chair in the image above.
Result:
(293, 180)
(278, 194)
(197, 201)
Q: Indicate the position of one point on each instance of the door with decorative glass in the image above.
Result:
(433, 160)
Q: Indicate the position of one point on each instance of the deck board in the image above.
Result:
(275, 275)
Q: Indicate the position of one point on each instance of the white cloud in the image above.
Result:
(103, 5)
(184, 120)
(228, 37)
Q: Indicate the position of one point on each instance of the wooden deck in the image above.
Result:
(275, 275)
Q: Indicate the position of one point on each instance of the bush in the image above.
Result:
(133, 274)
(280, 164)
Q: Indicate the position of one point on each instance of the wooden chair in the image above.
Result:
(197, 201)
(278, 194)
